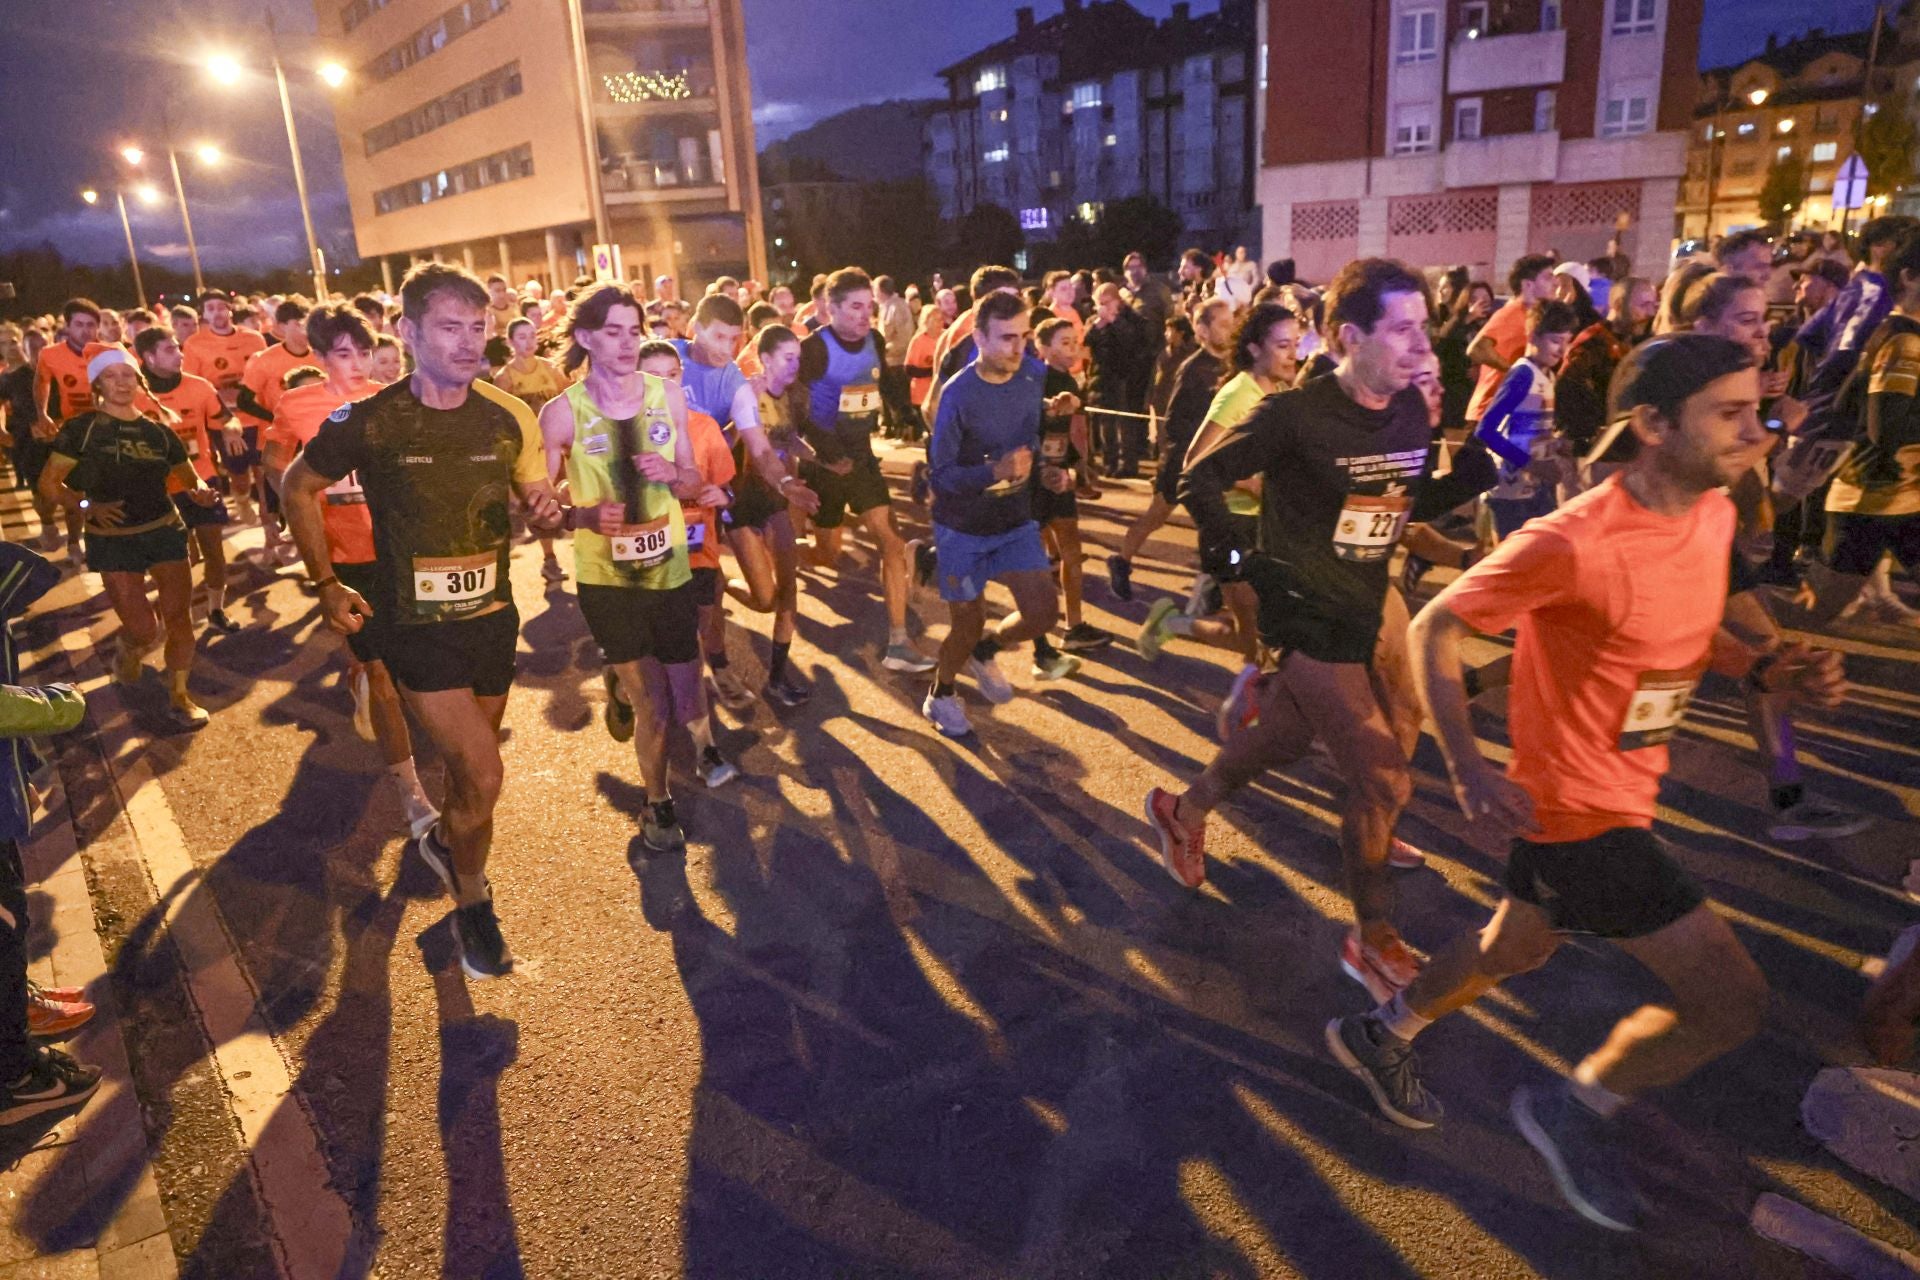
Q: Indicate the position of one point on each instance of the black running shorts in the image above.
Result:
(359, 578)
(631, 623)
(859, 491)
(1619, 884)
(1855, 542)
(470, 653)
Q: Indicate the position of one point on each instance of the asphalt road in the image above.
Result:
(909, 1007)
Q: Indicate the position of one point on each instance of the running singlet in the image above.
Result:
(343, 509)
(1232, 405)
(60, 384)
(1881, 476)
(843, 391)
(436, 483)
(197, 415)
(653, 554)
(534, 386)
(220, 358)
(715, 462)
(124, 462)
(265, 371)
(1616, 608)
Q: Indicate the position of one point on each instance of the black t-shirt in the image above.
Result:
(16, 392)
(1194, 386)
(436, 484)
(1056, 440)
(1341, 484)
(116, 460)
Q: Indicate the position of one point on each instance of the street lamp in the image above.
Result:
(1758, 97)
(209, 155)
(226, 71)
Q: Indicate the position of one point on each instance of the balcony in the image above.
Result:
(654, 159)
(1524, 60)
(622, 15)
(1505, 158)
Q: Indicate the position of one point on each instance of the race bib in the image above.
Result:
(696, 534)
(1369, 527)
(1656, 708)
(647, 546)
(452, 586)
(192, 445)
(858, 400)
(1806, 465)
(1053, 447)
(346, 491)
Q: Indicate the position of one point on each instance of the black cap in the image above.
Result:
(1663, 372)
(214, 293)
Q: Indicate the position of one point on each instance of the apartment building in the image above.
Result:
(1098, 103)
(513, 135)
(1472, 131)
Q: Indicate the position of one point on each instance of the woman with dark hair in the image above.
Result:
(1460, 323)
(1570, 285)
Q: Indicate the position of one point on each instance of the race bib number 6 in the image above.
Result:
(1369, 527)
(1658, 704)
(449, 586)
(860, 399)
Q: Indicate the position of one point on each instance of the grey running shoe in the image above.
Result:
(1385, 1064)
(904, 657)
(1814, 819)
(1581, 1151)
(483, 952)
(660, 828)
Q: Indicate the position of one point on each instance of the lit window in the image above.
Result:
(1475, 21)
(1001, 115)
(1086, 95)
(1112, 140)
(1466, 119)
(1419, 36)
(996, 155)
(1825, 152)
(989, 79)
(1746, 129)
(1633, 17)
(1033, 219)
(1089, 212)
(1784, 153)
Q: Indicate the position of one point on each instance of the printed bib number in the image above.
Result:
(1053, 448)
(1369, 527)
(1656, 708)
(346, 491)
(447, 586)
(647, 547)
(696, 535)
(859, 400)
(1807, 465)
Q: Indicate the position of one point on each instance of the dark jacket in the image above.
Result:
(25, 712)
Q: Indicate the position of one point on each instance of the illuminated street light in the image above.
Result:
(1786, 125)
(208, 154)
(332, 74)
(1758, 97)
(90, 196)
(224, 69)
(132, 155)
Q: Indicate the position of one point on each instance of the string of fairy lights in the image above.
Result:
(630, 87)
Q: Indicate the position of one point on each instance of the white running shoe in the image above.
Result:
(990, 679)
(948, 716)
(904, 657)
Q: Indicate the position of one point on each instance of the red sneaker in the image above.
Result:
(1241, 710)
(1384, 972)
(1405, 856)
(49, 1017)
(1184, 855)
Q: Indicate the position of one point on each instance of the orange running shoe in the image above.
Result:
(1183, 854)
(47, 1016)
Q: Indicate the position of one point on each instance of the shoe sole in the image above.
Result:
(1166, 848)
(1337, 1046)
(948, 733)
(1793, 835)
(1040, 673)
(1235, 694)
(671, 846)
(1085, 646)
(904, 667)
(26, 1110)
(1556, 1165)
(720, 777)
(58, 1030)
(477, 974)
(434, 864)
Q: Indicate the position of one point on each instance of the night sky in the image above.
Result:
(107, 71)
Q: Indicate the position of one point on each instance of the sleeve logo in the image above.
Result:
(341, 414)
(659, 432)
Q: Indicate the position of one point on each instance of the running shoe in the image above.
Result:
(1203, 597)
(217, 620)
(904, 657)
(1405, 856)
(733, 695)
(1054, 665)
(551, 572)
(922, 561)
(660, 827)
(1384, 973)
(1814, 819)
(483, 952)
(54, 1081)
(1182, 853)
(66, 994)
(1385, 1064)
(991, 681)
(618, 715)
(787, 690)
(127, 666)
(1083, 637)
(1088, 490)
(714, 769)
(47, 1016)
(432, 845)
(1154, 633)
(186, 712)
(420, 813)
(1411, 572)
(1582, 1152)
(1241, 710)
(1120, 577)
(362, 704)
(948, 716)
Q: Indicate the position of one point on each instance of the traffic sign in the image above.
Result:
(1850, 185)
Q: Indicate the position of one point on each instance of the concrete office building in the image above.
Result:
(512, 135)
(1473, 131)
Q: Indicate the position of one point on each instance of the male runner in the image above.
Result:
(62, 390)
(840, 367)
(195, 413)
(218, 351)
(1346, 464)
(262, 383)
(500, 306)
(437, 456)
(1617, 597)
(536, 380)
(185, 324)
(343, 343)
(620, 438)
(981, 461)
(389, 360)
(1503, 339)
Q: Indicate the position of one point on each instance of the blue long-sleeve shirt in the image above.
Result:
(1499, 430)
(978, 423)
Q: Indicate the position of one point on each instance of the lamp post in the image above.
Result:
(1756, 97)
(146, 193)
(227, 71)
(208, 155)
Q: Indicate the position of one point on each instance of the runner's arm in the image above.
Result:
(1472, 474)
(1893, 386)
(760, 451)
(301, 488)
(1483, 351)
(249, 403)
(1510, 395)
(1250, 449)
(53, 482)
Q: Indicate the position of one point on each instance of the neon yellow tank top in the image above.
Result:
(652, 553)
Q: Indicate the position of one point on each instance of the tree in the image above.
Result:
(1137, 224)
(1784, 190)
(988, 233)
(1886, 144)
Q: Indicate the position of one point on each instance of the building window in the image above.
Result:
(1412, 131)
(476, 95)
(1475, 21)
(1033, 219)
(1262, 72)
(355, 12)
(1624, 116)
(433, 37)
(1111, 140)
(1550, 19)
(1633, 17)
(1825, 152)
(1466, 120)
(1745, 129)
(1546, 111)
(1419, 36)
(1086, 96)
(989, 79)
(501, 166)
(1783, 154)
(996, 155)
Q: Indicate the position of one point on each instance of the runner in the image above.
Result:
(185, 324)
(442, 616)
(840, 367)
(981, 459)
(1503, 339)
(27, 428)
(1518, 423)
(1605, 665)
(1347, 463)
(119, 462)
(62, 389)
(218, 351)
(389, 360)
(1058, 513)
(343, 344)
(193, 409)
(1194, 386)
(619, 436)
(1263, 362)
(262, 383)
(536, 380)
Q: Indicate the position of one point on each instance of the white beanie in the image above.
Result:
(106, 360)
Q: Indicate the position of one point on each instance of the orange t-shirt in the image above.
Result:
(1616, 608)
(220, 358)
(715, 461)
(263, 372)
(344, 510)
(1507, 330)
(197, 415)
(64, 370)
